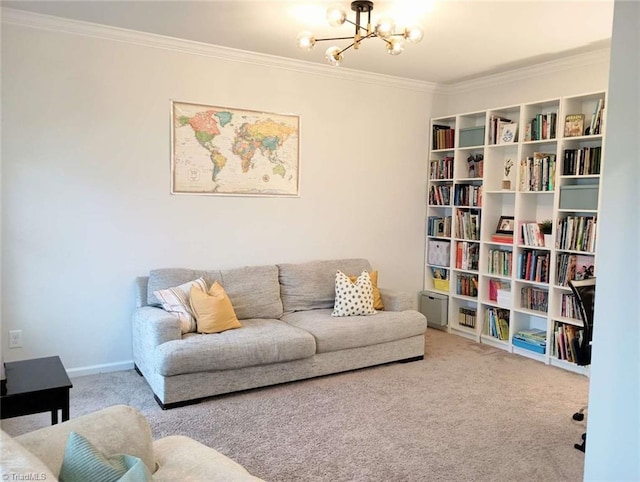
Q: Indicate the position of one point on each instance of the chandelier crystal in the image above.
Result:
(384, 29)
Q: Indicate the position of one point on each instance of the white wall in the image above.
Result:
(85, 183)
(572, 76)
(613, 427)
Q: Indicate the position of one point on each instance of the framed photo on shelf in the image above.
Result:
(505, 225)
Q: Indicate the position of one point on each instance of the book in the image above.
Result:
(574, 125)
(508, 133)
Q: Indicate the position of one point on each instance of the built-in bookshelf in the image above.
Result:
(499, 180)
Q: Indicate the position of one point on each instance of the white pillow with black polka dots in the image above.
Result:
(353, 299)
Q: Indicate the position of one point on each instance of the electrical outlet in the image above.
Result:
(15, 338)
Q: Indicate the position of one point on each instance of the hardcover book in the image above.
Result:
(574, 125)
(508, 133)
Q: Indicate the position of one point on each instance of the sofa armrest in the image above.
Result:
(155, 325)
(151, 327)
(18, 463)
(119, 429)
(398, 300)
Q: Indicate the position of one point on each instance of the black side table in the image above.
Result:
(34, 386)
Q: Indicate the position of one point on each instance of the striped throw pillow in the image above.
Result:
(176, 300)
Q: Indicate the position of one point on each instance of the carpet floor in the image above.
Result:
(467, 412)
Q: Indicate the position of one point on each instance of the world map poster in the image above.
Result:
(220, 150)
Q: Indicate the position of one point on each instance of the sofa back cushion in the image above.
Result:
(254, 291)
(311, 285)
(164, 278)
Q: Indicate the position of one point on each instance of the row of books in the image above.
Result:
(439, 226)
(443, 137)
(441, 168)
(500, 261)
(468, 225)
(538, 173)
(566, 340)
(497, 323)
(440, 195)
(574, 267)
(531, 235)
(534, 299)
(467, 255)
(533, 265)
(577, 233)
(569, 307)
(541, 127)
(467, 195)
(533, 339)
(583, 161)
(467, 317)
(467, 285)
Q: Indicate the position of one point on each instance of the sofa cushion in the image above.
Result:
(176, 300)
(311, 285)
(258, 342)
(333, 334)
(254, 291)
(353, 297)
(213, 309)
(83, 462)
(163, 278)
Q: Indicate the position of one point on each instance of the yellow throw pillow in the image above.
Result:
(377, 299)
(213, 310)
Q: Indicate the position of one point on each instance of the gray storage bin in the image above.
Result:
(579, 197)
(471, 136)
(434, 307)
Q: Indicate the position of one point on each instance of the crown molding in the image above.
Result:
(22, 18)
(76, 27)
(516, 75)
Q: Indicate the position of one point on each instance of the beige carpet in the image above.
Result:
(468, 412)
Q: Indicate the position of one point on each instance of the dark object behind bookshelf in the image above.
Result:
(585, 293)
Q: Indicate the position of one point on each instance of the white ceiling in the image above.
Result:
(464, 39)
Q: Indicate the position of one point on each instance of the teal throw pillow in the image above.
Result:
(83, 462)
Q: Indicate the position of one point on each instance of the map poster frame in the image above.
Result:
(229, 151)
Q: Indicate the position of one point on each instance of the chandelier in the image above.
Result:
(384, 29)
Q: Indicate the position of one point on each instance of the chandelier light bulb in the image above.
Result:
(385, 27)
(395, 46)
(333, 56)
(414, 34)
(336, 15)
(305, 40)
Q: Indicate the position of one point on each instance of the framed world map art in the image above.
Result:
(233, 152)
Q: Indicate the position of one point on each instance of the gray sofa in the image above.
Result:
(287, 331)
(119, 429)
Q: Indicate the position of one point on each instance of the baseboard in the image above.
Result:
(104, 368)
